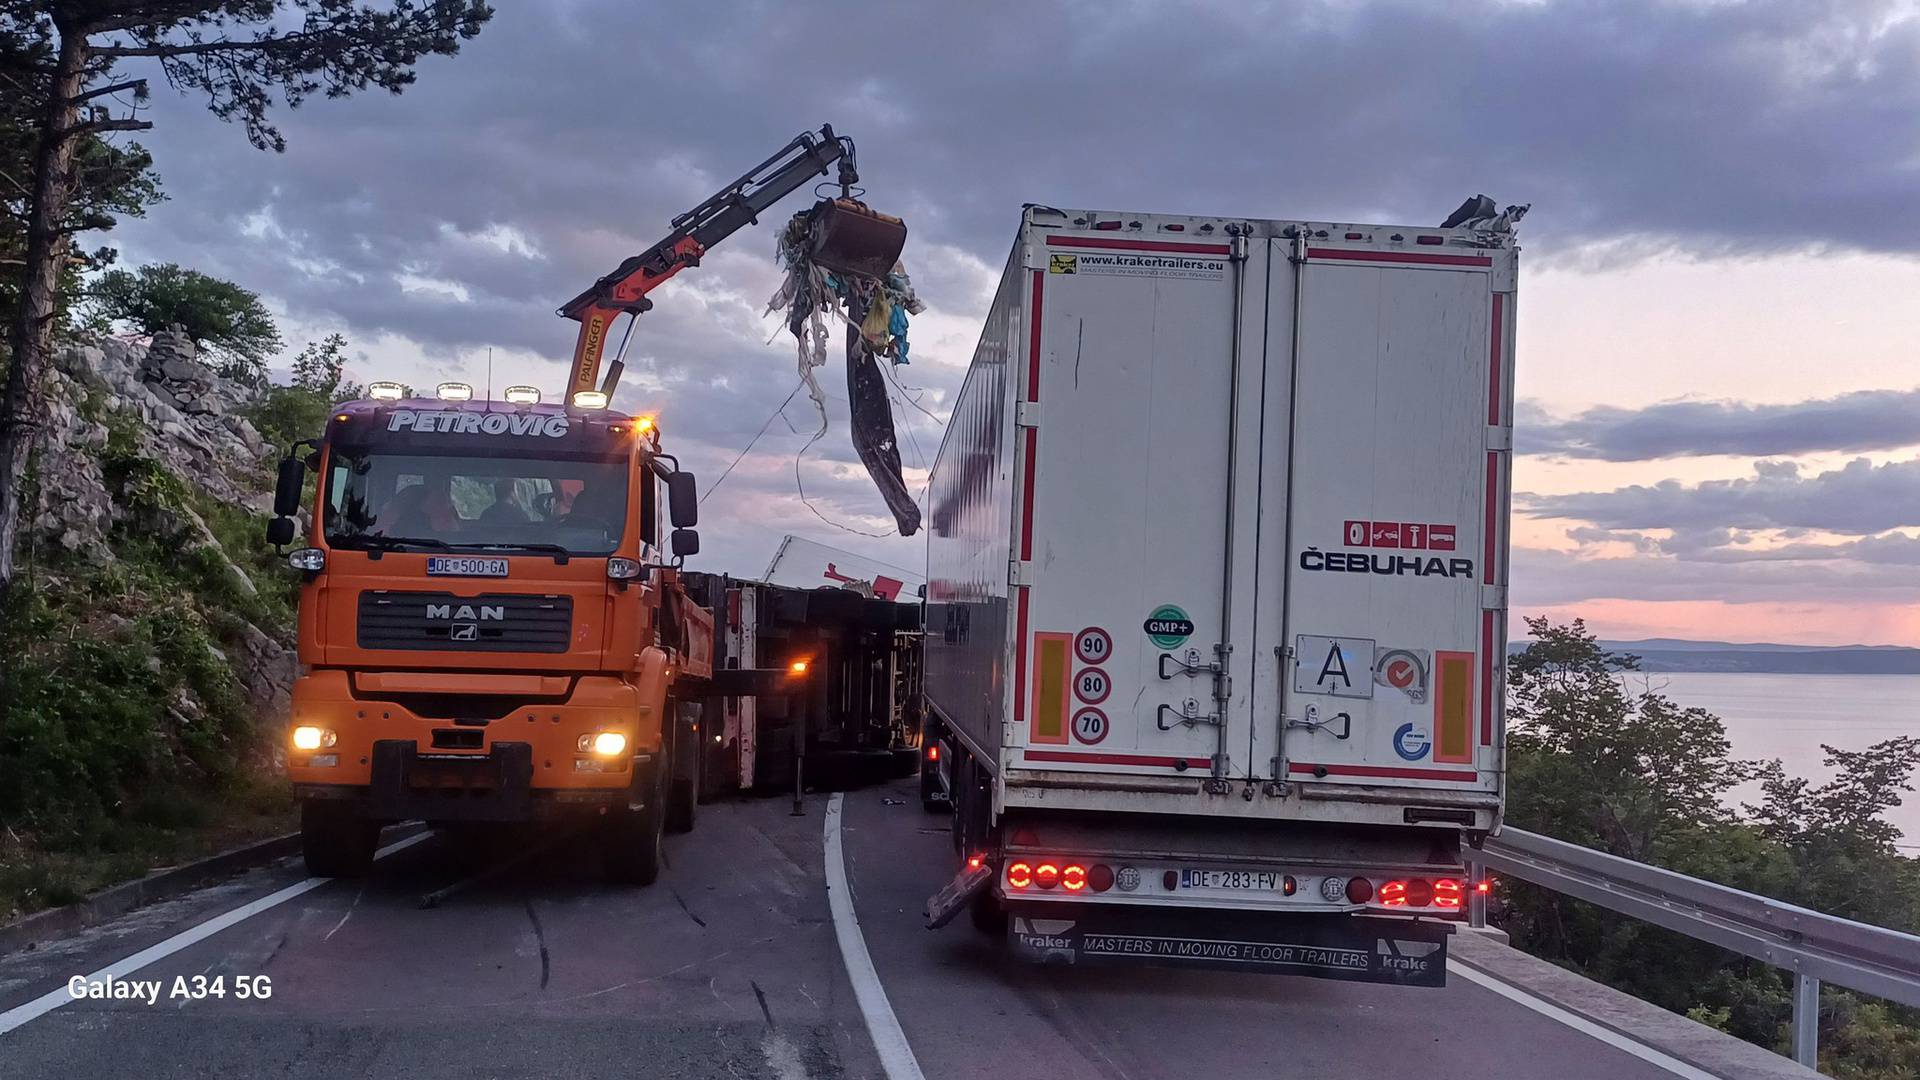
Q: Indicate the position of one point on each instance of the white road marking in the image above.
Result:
(120, 969)
(896, 1057)
(1581, 1024)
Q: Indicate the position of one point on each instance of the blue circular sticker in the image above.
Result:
(1411, 742)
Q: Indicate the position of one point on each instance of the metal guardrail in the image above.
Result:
(1814, 946)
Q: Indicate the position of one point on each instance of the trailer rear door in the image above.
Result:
(1382, 593)
(1124, 541)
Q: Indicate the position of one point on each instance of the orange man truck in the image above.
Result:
(492, 627)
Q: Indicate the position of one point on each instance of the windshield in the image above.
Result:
(433, 501)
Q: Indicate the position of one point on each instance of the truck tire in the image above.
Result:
(335, 840)
(631, 840)
(987, 914)
(683, 786)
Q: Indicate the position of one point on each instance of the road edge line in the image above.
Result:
(883, 1027)
(119, 969)
(1624, 1043)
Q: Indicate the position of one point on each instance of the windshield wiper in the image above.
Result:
(560, 554)
(374, 545)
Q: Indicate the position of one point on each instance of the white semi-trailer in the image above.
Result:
(1216, 602)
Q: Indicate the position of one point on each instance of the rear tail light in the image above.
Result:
(1100, 876)
(1019, 875)
(1106, 226)
(1074, 878)
(1446, 894)
(1359, 890)
(1288, 886)
(1430, 240)
(1393, 894)
(933, 751)
(1419, 893)
(1046, 875)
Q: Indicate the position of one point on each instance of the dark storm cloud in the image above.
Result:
(1860, 498)
(1848, 423)
(458, 215)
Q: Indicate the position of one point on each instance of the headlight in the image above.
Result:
(312, 738)
(609, 743)
(309, 559)
(620, 569)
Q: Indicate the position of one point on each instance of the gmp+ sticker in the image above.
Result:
(1411, 742)
(1168, 627)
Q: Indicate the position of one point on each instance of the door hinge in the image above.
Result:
(1493, 598)
(1026, 414)
(1019, 573)
(1499, 438)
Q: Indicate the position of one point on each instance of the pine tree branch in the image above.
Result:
(103, 91)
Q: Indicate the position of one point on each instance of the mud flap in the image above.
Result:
(1347, 947)
(953, 899)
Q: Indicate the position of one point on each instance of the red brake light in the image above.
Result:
(933, 751)
(1446, 894)
(1100, 876)
(1484, 886)
(1393, 894)
(1288, 886)
(973, 863)
(1019, 875)
(1359, 890)
(1046, 875)
(1074, 877)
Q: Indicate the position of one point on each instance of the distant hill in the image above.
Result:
(1677, 654)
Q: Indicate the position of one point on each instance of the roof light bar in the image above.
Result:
(521, 395)
(589, 399)
(454, 391)
(386, 391)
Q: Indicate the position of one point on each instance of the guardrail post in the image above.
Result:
(1806, 1020)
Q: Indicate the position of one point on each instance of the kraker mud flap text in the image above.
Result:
(1357, 949)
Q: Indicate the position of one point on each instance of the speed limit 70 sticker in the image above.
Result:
(1090, 725)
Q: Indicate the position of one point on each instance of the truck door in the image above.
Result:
(1381, 576)
(1129, 533)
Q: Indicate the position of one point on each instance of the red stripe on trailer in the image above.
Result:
(1033, 338)
(1486, 678)
(1138, 245)
(1356, 255)
(1493, 514)
(1020, 657)
(1083, 758)
(1380, 770)
(1493, 365)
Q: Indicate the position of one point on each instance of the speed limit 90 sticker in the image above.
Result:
(1090, 725)
(1093, 645)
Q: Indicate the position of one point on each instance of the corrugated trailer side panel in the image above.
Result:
(970, 535)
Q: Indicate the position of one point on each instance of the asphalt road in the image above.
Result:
(728, 967)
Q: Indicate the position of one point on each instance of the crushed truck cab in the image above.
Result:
(492, 626)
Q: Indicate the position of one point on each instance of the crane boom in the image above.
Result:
(810, 154)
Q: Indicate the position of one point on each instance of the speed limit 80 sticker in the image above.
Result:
(1091, 685)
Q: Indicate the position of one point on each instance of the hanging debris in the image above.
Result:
(842, 261)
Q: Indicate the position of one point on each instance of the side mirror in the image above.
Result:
(288, 488)
(683, 500)
(280, 531)
(684, 542)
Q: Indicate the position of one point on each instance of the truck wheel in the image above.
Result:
(683, 788)
(336, 841)
(630, 840)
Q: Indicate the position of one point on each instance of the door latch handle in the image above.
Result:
(1191, 667)
(1187, 715)
(1312, 722)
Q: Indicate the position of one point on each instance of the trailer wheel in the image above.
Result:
(683, 787)
(987, 914)
(630, 840)
(335, 840)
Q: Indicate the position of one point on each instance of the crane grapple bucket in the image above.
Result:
(849, 238)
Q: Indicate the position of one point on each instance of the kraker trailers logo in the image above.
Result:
(1394, 536)
(1153, 266)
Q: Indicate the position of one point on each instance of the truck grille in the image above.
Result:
(491, 622)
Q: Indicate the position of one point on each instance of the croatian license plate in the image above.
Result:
(1244, 880)
(465, 566)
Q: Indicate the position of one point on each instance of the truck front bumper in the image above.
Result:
(497, 786)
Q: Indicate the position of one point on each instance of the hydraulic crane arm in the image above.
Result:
(694, 232)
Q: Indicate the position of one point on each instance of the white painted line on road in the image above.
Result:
(896, 1057)
(1581, 1024)
(120, 969)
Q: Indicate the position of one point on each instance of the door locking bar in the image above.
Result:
(1312, 722)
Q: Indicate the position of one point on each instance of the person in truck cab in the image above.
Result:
(423, 509)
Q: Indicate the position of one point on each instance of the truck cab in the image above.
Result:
(493, 626)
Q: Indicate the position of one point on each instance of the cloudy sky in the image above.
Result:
(1719, 354)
